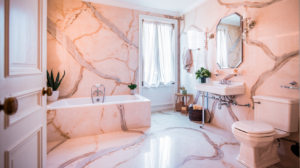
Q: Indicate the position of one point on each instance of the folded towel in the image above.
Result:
(187, 60)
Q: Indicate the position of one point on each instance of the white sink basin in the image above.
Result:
(235, 88)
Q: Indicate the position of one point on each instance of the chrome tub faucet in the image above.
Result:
(98, 86)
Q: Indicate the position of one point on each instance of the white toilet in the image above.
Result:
(274, 118)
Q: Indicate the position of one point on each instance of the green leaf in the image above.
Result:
(61, 79)
(48, 80)
(57, 79)
(52, 79)
(132, 86)
(202, 73)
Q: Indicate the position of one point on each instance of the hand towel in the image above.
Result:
(187, 60)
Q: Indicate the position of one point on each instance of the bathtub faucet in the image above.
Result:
(98, 86)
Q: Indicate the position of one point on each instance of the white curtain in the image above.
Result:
(158, 54)
(222, 48)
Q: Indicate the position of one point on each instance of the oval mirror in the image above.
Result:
(229, 41)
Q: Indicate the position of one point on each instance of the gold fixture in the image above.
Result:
(207, 36)
(10, 106)
(206, 41)
(47, 91)
(249, 24)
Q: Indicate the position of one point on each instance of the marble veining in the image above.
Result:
(109, 24)
(75, 88)
(171, 141)
(217, 156)
(75, 159)
(248, 4)
(269, 60)
(123, 120)
(279, 62)
(96, 43)
(64, 40)
(67, 122)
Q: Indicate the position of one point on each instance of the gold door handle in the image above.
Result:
(47, 91)
(10, 106)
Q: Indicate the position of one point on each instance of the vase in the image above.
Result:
(203, 80)
(53, 97)
(132, 92)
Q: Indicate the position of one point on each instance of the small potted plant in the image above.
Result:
(132, 88)
(203, 74)
(54, 85)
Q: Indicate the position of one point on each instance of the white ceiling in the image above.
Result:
(168, 7)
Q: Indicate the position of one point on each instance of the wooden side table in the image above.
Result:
(185, 102)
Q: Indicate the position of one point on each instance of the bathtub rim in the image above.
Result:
(141, 99)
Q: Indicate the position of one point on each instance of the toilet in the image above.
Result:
(274, 118)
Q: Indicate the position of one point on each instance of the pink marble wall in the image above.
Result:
(277, 27)
(94, 44)
(69, 123)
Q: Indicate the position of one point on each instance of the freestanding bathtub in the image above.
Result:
(79, 117)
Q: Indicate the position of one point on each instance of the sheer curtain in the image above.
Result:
(158, 54)
(222, 48)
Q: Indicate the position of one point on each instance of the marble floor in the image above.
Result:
(172, 141)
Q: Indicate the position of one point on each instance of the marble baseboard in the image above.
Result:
(88, 121)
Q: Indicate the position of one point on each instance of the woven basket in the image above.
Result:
(195, 115)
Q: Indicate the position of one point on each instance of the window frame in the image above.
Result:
(159, 19)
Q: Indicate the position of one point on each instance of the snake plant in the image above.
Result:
(54, 84)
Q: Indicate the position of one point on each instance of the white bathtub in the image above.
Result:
(79, 117)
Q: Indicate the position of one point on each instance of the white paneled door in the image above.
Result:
(22, 76)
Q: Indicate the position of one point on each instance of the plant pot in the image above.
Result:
(132, 92)
(203, 80)
(54, 96)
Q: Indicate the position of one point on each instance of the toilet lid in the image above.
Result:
(254, 127)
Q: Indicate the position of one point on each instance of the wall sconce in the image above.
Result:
(217, 72)
(207, 35)
(249, 24)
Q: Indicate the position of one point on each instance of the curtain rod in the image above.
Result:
(157, 21)
(195, 49)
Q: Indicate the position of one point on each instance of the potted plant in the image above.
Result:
(132, 88)
(54, 85)
(203, 74)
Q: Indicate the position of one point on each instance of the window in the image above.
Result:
(222, 53)
(158, 44)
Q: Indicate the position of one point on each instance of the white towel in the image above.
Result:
(187, 60)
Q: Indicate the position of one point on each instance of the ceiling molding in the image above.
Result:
(191, 7)
(134, 7)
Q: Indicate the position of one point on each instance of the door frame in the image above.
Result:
(161, 19)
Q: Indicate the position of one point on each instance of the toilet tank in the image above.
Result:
(281, 113)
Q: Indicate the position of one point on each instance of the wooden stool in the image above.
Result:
(185, 103)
